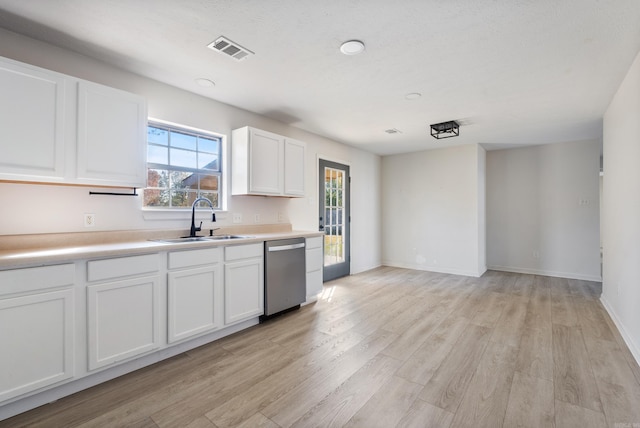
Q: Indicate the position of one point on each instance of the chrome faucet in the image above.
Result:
(195, 229)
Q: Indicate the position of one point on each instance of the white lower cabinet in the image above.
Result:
(36, 329)
(315, 261)
(243, 282)
(195, 293)
(123, 315)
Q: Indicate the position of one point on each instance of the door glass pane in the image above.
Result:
(334, 250)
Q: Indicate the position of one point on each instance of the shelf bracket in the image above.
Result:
(134, 192)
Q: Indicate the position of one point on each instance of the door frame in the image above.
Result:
(347, 224)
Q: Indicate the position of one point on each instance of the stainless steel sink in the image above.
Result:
(200, 238)
(222, 237)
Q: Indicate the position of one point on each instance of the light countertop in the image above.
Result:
(35, 250)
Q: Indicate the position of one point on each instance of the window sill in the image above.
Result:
(180, 214)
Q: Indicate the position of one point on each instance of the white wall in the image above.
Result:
(535, 220)
(29, 209)
(621, 209)
(482, 209)
(431, 210)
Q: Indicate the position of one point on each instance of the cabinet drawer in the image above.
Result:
(314, 259)
(99, 270)
(37, 278)
(315, 242)
(188, 258)
(314, 283)
(243, 251)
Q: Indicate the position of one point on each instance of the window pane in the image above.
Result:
(180, 198)
(183, 158)
(184, 141)
(183, 180)
(156, 197)
(207, 145)
(157, 136)
(208, 161)
(157, 154)
(213, 197)
(157, 178)
(208, 182)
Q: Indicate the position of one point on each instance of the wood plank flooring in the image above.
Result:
(385, 348)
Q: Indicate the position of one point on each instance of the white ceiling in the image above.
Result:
(513, 72)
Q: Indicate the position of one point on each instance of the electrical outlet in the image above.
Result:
(536, 254)
(280, 217)
(89, 220)
(237, 218)
(256, 218)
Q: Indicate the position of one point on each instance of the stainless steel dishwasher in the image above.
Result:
(284, 276)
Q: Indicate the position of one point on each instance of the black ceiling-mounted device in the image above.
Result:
(445, 129)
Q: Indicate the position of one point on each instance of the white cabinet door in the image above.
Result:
(265, 166)
(195, 302)
(111, 137)
(123, 320)
(294, 161)
(32, 115)
(314, 262)
(36, 338)
(243, 290)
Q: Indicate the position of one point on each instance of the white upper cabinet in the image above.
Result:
(293, 167)
(60, 129)
(32, 119)
(266, 164)
(111, 136)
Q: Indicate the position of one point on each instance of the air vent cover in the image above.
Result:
(229, 48)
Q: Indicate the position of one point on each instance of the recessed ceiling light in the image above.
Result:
(352, 47)
(205, 83)
(413, 96)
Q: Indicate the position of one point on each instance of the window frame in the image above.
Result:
(220, 173)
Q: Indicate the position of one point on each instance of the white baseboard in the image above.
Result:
(633, 347)
(359, 269)
(438, 269)
(543, 272)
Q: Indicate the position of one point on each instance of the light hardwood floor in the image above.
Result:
(391, 347)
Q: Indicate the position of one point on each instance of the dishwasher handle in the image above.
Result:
(286, 247)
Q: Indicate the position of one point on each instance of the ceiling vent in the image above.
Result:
(393, 131)
(445, 129)
(229, 48)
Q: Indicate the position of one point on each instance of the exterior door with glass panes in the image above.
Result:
(334, 218)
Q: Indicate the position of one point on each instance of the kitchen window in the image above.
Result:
(182, 165)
